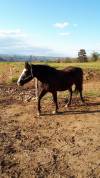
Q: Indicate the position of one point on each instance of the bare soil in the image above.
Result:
(66, 145)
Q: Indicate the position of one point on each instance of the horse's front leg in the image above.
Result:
(43, 92)
(54, 94)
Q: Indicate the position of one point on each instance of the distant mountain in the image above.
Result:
(2, 59)
(25, 58)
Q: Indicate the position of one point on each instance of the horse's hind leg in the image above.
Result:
(81, 96)
(79, 88)
(54, 94)
(70, 98)
(43, 92)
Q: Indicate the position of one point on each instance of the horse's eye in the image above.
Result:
(26, 72)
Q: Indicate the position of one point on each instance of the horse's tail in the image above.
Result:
(79, 83)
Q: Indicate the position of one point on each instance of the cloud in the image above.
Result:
(18, 42)
(64, 33)
(12, 39)
(12, 33)
(61, 25)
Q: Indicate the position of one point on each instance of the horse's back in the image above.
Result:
(73, 69)
(76, 72)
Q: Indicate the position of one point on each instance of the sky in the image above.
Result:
(49, 27)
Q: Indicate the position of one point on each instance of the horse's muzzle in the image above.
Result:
(19, 84)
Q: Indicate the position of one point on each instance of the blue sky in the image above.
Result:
(49, 27)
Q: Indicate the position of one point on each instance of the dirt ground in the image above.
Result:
(66, 145)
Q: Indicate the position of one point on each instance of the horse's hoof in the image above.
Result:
(38, 114)
(67, 106)
(54, 112)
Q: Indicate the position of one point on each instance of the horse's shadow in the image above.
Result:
(93, 104)
(71, 111)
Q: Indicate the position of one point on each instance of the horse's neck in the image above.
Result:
(39, 74)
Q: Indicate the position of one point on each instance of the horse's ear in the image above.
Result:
(27, 65)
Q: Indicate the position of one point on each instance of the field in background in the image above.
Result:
(10, 71)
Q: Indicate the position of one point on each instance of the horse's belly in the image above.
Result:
(60, 85)
(62, 88)
(59, 88)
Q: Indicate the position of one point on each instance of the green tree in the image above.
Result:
(95, 56)
(82, 56)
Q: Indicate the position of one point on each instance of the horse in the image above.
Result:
(53, 80)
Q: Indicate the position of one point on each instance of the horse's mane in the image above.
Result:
(45, 68)
(44, 73)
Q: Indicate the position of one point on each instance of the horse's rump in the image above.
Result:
(76, 73)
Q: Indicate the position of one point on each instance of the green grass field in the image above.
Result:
(20, 65)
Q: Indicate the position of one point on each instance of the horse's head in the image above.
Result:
(26, 75)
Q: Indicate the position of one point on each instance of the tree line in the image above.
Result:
(82, 56)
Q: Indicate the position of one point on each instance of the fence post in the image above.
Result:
(36, 88)
(11, 73)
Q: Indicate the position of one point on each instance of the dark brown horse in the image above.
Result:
(53, 80)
